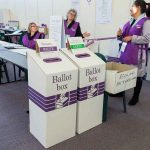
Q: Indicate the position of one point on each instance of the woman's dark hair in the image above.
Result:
(142, 4)
(148, 10)
(145, 7)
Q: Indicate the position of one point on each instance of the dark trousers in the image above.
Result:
(138, 88)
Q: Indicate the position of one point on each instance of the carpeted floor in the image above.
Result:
(129, 131)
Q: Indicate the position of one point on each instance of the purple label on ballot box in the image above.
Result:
(52, 102)
(90, 91)
(52, 60)
(47, 49)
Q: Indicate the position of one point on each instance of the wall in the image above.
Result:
(40, 11)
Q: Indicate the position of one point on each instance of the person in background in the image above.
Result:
(72, 28)
(28, 39)
(136, 34)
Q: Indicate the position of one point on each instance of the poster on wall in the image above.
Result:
(76, 5)
(56, 30)
(103, 11)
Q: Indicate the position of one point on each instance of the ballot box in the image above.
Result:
(52, 94)
(91, 81)
(120, 77)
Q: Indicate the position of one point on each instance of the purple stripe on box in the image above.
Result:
(72, 92)
(39, 101)
(90, 91)
(41, 98)
(73, 102)
(100, 93)
(52, 102)
(73, 95)
(82, 98)
(45, 98)
(73, 98)
(82, 95)
(46, 49)
(43, 108)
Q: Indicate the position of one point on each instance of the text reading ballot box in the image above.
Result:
(91, 80)
(120, 77)
(52, 96)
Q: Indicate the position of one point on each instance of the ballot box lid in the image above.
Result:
(52, 62)
(84, 58)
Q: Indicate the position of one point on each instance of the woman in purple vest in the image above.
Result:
(32, 34)
(136, 34)
(72, 28)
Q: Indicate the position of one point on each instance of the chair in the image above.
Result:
(2, 35)
(14, 66)
(42, 35)
(21, 36)
(3, 69)
(106, 95)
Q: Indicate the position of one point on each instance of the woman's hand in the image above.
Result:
(119, 32)
(86, 34)
(127, 39)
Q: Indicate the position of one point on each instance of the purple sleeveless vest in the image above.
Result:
(130, 55)
(30, 43)
(71, 31)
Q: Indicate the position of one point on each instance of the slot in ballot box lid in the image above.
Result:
(83, 58)
(52, 62)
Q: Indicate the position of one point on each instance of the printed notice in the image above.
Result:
(103, 11)
(76, 43)
(57, 30)
(76, 5)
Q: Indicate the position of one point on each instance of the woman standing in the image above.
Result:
(136, 34)
(72, 28)
(32, 34)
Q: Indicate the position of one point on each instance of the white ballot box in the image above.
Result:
(91, 80)
(120, 77)
(52, 97)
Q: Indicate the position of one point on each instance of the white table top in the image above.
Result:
(16, 55)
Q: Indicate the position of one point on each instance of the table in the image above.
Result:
(7, 30)
(16, 56)
(13, 57)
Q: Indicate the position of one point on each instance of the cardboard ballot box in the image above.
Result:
(120, 77)
(52, 97)
(91, 80)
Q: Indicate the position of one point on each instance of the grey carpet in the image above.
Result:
(129, 131)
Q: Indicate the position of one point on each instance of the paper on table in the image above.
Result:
(7, 44)
(21, 51)
(103, 11)
(13, 34)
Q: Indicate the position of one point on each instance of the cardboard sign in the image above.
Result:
(46, 45)
(120, 77)
(43, 30)
(56, 30)
(75, 44)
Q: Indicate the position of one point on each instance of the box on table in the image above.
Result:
(91, 80)
(52, 97)
(43, 29)
(120, 77)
